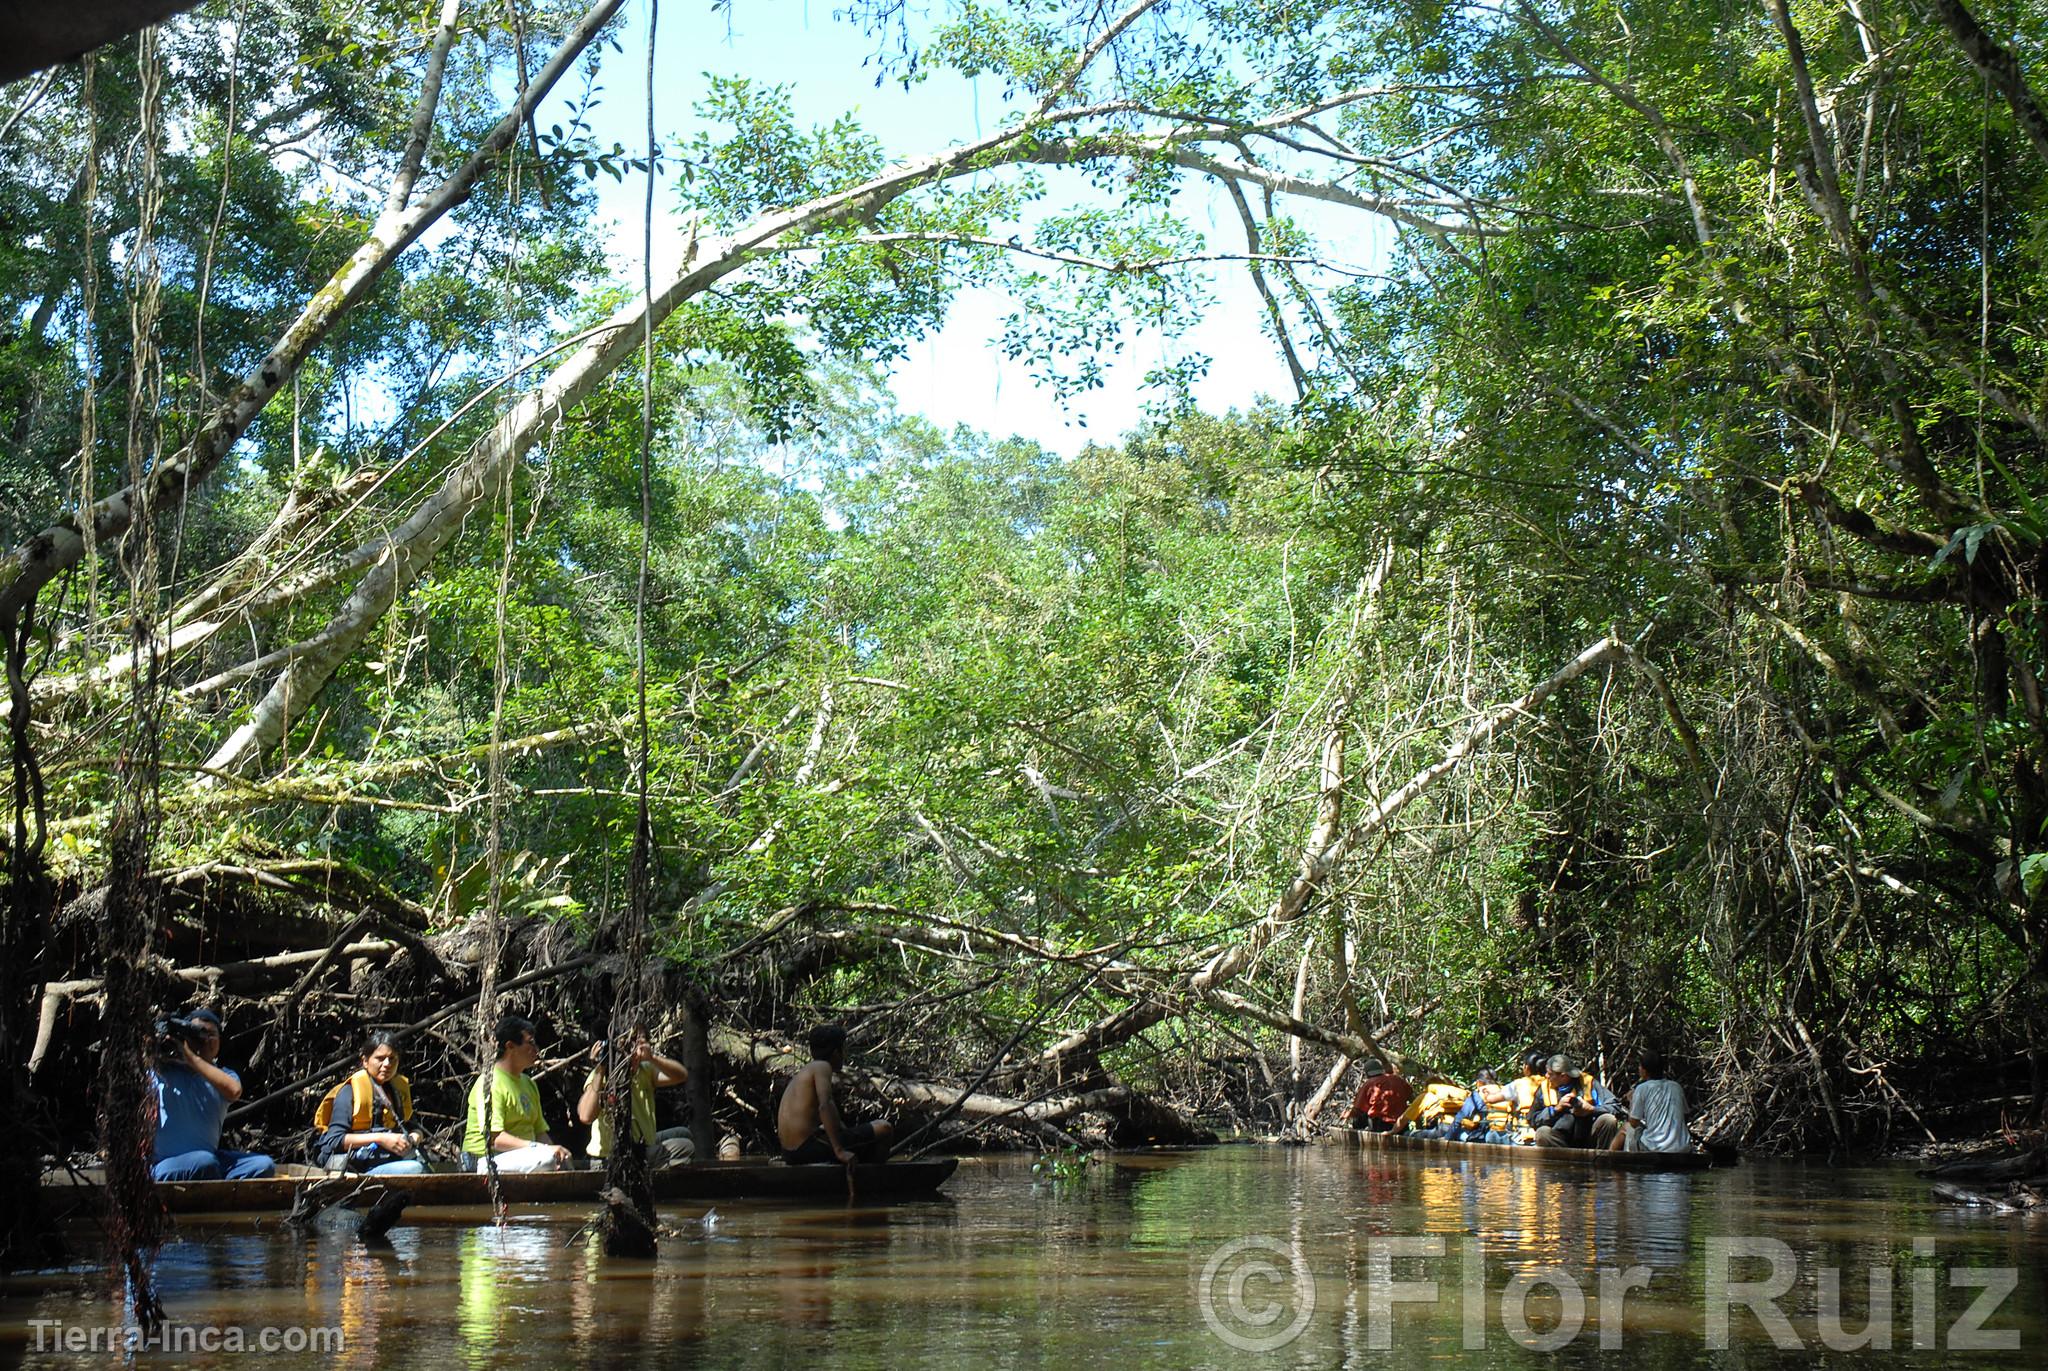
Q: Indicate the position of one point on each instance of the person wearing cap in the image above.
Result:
(192, 1092)
(1381, 1100)
(1574, 1110)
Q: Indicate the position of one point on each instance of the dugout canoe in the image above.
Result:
(1526, 1154)
(733, 1180)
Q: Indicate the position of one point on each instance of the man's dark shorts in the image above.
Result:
(859, 1140)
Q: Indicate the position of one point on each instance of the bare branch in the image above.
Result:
(1094, 50)
(423, 112)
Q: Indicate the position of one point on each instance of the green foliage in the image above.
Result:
(1622, 368)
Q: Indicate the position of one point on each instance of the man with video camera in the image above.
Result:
(193, 1093)
(650, 1071)
(1574, 1109)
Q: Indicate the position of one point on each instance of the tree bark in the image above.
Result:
(697, 1061)
(2000, 68)
(38, 35)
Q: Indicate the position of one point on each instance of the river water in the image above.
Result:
(1308, 1257)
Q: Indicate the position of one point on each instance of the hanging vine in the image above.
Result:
(128, 917)
(629, 1211)
(494, 841)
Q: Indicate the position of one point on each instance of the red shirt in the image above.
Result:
(1382, 1097)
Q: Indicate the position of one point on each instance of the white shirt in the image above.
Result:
(1660, 1104)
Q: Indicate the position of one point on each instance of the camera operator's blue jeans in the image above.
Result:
(364, 1162)
(225, 1164)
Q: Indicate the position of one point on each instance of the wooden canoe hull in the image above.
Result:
(1580, 1158)
(740, 1180)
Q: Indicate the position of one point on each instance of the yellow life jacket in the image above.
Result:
(1547, 1094)
(1499, 1114)
(364, 1098)
(1435, 1102)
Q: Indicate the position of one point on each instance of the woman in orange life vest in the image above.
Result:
(366, 1121)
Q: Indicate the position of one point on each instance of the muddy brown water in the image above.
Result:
(1308, 1257)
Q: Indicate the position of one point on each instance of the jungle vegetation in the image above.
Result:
(1628, 632)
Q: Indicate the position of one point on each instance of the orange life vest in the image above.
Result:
(364, 1098)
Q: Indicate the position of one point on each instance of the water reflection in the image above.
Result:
(493, 1307)
(1104, 1266)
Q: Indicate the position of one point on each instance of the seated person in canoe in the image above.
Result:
(1573, 1109)
(365, 1121)
(1381, 1099)
(1656, 1111)
(650, 1071)
(807, 1122)
(1488, 1114)
(192, 1092)
(505, 1125)
(1524, 1093)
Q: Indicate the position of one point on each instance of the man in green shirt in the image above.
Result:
(518, 1135)
(650, 1071)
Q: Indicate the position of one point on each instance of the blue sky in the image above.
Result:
(959, 375)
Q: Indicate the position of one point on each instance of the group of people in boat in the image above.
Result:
(1552, 1103)
(365, 1123)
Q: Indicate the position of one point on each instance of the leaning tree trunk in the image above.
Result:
(397, 560)
(27, 568)
(1328, 845)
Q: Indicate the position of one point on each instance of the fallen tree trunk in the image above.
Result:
(1963, 1195)
(232, 977)
(2019, 1167)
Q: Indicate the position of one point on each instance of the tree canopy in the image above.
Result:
(1628, 633)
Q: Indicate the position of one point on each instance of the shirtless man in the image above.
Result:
(807, 1122)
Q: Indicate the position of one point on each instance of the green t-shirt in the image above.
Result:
(515, 1109)
(643, 1110)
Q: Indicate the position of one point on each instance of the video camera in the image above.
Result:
(604, 1051)
(173, 1031)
